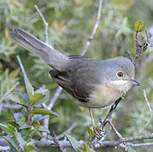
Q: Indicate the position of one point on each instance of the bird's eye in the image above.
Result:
(120, 74)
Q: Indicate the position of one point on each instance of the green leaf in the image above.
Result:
(35, 134)
(29, 88)
(9, 129)
(86, 148)
(43, 111)
(36, 98)
(139, 26)
(29, 147)
(75, 144)
(91, 132)
(36, 124)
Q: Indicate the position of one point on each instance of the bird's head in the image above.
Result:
(120, 73)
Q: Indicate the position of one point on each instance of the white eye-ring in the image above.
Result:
(120, 74)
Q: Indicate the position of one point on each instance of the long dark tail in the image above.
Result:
(50, 55)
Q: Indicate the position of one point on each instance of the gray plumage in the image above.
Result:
(46, 52)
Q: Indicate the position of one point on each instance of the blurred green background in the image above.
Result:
(70, 24)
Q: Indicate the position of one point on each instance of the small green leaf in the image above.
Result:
(86, 148)
(139, 26)
(43, 111)
(36, 98)
(9, 129)
(29, 148)
(75, 144)
(91, 132)
(35, 134)
(36, 124)
(29, 88)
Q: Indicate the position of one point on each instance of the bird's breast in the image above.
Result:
(103, 95)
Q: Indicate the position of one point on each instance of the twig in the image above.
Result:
(10, 106)
(50, 106)
(50, 143)
(9, 91)
(88, 42)
(55, 97)
(141, 144)
(58, 143)
(127, 141)
(67, 131)
(150, 109)
(45, 23)
(46, 121)
(99, 144)
(115, 130)
(148, 104)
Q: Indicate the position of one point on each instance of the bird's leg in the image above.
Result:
(113, 107)
(92, 117)
(99, 130)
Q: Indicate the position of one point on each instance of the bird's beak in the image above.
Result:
(134, 82)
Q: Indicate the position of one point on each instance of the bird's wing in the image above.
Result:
(79, 79)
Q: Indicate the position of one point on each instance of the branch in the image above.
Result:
(55, 97)
(88, 42)
(9, 91)
(68, 131)
(99, 144)
(51, 143)
(45, 23)
(150, 110)
(127, 141)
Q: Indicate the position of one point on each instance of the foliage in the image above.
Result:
(25, 83)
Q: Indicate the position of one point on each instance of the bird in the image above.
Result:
(95, 83)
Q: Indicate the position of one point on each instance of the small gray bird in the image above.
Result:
(94, 83)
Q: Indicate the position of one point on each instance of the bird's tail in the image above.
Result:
(50, 55)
